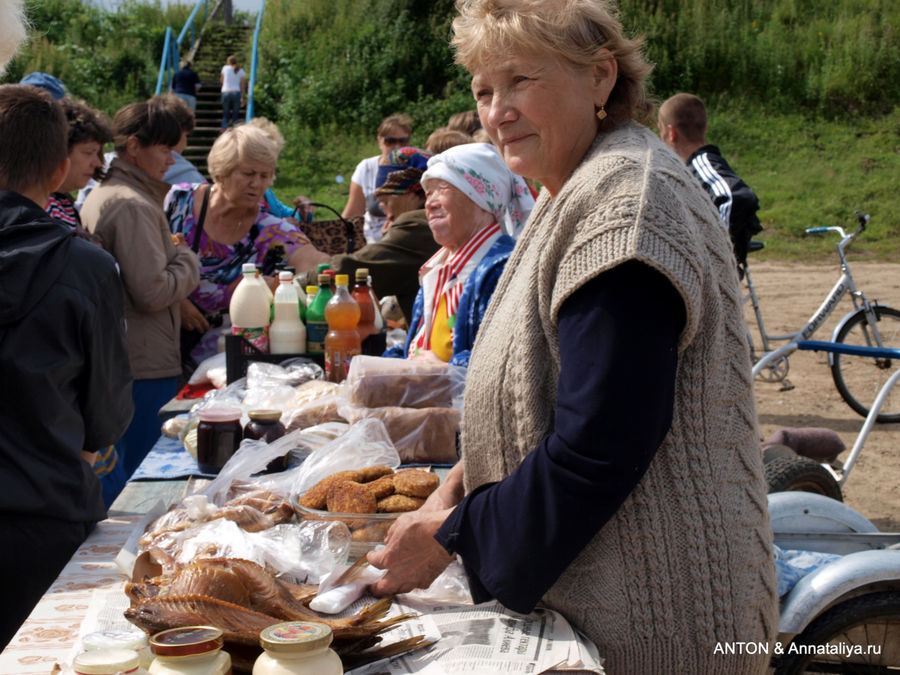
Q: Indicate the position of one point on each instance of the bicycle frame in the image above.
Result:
(843, 285)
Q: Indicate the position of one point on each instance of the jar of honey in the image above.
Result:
(219, 436)
(297, 648)
(191, 650)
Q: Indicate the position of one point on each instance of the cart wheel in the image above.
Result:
(800, 473)
(863, 635)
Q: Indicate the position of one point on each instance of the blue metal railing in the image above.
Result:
(170, 57)
(254, 60)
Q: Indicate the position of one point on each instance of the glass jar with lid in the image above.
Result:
(108, 662)
(265, 425)
(219, 435)
(191, 650)
(297, 648)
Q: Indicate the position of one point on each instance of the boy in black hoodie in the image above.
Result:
(66, 384)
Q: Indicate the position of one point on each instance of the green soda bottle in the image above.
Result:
(316, 325)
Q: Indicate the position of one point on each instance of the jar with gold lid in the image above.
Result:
(190, 650)
(297, 648)
(266, 426)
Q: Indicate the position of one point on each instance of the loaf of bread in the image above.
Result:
(421, 435)
(375, 382)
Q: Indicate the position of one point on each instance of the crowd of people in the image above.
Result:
(609, 464)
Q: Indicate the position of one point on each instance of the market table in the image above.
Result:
(51, 630)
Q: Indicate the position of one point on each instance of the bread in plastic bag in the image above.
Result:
(376, 382)
(318, 411)
(421, 435)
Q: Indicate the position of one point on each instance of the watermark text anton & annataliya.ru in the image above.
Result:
(831, 649)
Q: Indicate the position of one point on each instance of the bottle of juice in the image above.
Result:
(287, 334)
(373, 342)
(342, 342)
(316, 325)
(250, 310)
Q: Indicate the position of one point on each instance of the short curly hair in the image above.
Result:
(240, 144)
(571, 30)
(85, 123)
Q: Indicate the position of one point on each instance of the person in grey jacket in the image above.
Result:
(158, 270)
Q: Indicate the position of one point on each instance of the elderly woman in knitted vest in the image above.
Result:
(610, 460)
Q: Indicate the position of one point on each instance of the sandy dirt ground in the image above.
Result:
(788, 294)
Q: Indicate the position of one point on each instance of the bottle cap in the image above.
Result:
(187, 641)
(322, 267)
(285, 276)
(248, 268)
(312, 290)
(106, 661)
(362, 275)
(265, 415)
(324, 279)
(219, 414)
(342, 279)
(295, 637)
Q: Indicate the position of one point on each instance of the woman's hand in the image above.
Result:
(449, 493)
(304, 210)
(412, 556)
(307, 257)
(192, 318)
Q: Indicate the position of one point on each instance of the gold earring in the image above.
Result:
(601, 114)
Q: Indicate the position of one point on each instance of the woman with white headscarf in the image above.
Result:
(473, 203)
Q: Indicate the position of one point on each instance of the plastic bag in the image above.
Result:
(291, 372)
(319, 411)
(332, 599)
(375, 382)
(450, 587)
(365, 444)
(421, 435)
(212, 370)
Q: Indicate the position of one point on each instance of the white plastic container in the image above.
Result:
(135, 640)
(192, 650)
(108, 662)
(287, 334)
(297, 648)
(250, 309)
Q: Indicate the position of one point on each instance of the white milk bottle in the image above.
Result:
(250, 309)
(287, 334)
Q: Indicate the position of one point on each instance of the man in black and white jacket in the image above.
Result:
(682, 126)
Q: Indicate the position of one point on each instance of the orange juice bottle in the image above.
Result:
(342, 342)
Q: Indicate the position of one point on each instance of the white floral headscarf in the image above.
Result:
(478, 170)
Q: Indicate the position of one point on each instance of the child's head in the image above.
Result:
(33, 140)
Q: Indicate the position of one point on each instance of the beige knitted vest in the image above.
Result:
(686, 563)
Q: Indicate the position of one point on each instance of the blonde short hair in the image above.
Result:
(399, 120)
(271, 130)
(240, 144)
(570, 30)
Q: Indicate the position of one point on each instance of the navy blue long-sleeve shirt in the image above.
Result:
(618, 338)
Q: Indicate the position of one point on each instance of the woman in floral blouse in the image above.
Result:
(234, 230)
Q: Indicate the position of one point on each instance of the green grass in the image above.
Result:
(812, 172)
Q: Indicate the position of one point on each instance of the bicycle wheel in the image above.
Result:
(862, 636)
(859, 378)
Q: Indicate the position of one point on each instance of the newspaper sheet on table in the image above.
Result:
(487, 638)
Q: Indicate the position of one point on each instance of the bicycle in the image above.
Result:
(857, 378)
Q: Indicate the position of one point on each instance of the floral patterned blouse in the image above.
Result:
(270, 240)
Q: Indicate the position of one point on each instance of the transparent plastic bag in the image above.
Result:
(420, 435)
(365, 444)
(376, 382)
(319, 411)
(291, 372)
(212, 370)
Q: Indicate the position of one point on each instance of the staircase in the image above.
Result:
(215, 44)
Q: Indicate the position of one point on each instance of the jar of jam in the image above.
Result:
(219, 435)
(265, 425)
(297, 648)
(191, 650)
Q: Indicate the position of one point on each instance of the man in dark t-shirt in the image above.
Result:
(186, 83)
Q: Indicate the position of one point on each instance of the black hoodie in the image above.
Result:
(66, 384)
